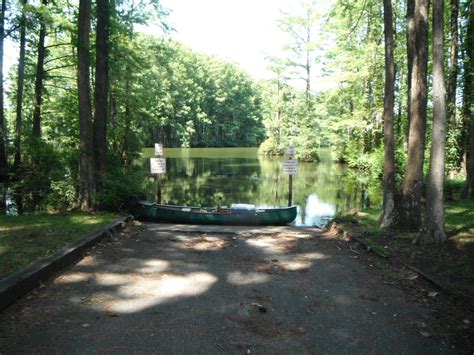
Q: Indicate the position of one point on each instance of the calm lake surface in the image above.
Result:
(205, 176)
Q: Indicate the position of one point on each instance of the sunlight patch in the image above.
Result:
(145, 293)
(87, 260)
(239, 278)
(157, 265)
(314, 256)
(267, 244)
(202, 242)
(272, 244)
(72, 278)
(110, 279)
(296, 265)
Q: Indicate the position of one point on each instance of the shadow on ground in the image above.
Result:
(166, 291)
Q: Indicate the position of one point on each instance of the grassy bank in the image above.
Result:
(28, 238)
(452, 263)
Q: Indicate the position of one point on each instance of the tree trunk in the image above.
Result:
(434, 224)
(308, 62)
(464, 135)
(3, 154)
(410, 53)
(18, 195)
(413, 184)
(101, 92)
(20, 87)
(453, 61)
(39, 77)
(126, 145)
(468, 110)
(388, 218)
(86, 160)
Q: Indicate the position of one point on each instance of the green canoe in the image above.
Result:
(238, 214)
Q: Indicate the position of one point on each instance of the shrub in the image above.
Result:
(270, 147)
(116, 189)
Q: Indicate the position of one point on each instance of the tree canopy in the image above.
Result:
(88, 85)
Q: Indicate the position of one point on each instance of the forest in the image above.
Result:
(89, 91)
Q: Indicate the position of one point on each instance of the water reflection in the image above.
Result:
(203, 177)
(318, 213)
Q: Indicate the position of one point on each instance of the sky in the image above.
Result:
(243, 31)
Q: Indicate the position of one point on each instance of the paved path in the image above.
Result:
(231, 290)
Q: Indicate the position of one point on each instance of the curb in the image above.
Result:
(20, 283)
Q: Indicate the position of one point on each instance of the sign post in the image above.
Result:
(290, 167)
(158, 167)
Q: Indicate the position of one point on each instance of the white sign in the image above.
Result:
(158, 149)
(290, 167)
(291, 152)
(157, 165)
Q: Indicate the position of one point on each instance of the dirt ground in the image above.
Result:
(155, 289)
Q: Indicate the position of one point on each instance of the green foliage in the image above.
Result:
(160, 90)
(289, 121)
(62, 195)
(271, 147)
(182, 98)
(118, 186)
(41, 165)
(373, 163)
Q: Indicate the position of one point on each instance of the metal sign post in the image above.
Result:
(158, 189)
(158, 167)
(290, 167)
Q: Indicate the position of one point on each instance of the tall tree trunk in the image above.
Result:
(39, 76)
(3, 154)
(464, 134)
(400, 107)
(101, 92)
(468, 110)
(410, 54)
(278, 115)
(308, 63)
(434, 224)
(20, 87)
(453, 61)
(18, 195)
(126, 134)
(413, 184)
(389, 188)
(86, 160)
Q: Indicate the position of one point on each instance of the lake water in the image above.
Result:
(209, 176)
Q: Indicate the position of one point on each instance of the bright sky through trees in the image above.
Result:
(242, 31)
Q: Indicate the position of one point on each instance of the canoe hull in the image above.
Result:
(147, 211)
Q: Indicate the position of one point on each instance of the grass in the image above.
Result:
(28, 238)
(451, 262)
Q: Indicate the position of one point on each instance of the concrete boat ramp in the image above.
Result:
(178, 289)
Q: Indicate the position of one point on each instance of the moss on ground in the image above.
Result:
(28, 238)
